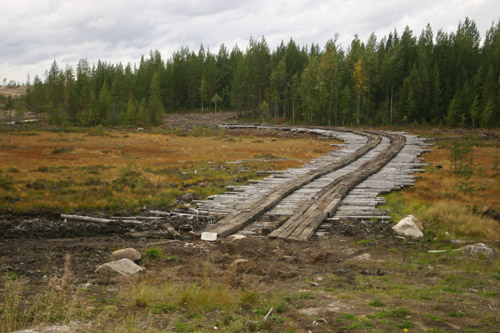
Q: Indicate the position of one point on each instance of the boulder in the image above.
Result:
(480, 250)
(124, 267)
(409, 226)
(128, 253)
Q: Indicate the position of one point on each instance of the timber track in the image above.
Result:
(300, 203)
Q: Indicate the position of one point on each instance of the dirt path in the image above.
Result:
(358, 279)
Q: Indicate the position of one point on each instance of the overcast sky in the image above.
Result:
(34, 33)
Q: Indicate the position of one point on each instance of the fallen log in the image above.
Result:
(146, 218)
(172, 231)
(85, 218)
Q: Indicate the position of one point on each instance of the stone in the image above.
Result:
(318, 311)
(128, 253)
(209, 236)
(480, 250)
(124, 267)
(409, 226)
(237, 262)
(363, 257)
(312, 312)
(188, 197)
(48, 329)
(233, 238)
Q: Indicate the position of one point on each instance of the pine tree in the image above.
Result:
(203, 92)
(277, 88)
(487, 116)
(453, 115)
(309, 88)
(475, 111)
(155, 106)
(360, 85)
(131, 115)
(143, 116)
(104, 105)
(329, 81)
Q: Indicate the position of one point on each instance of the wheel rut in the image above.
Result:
(296, 202)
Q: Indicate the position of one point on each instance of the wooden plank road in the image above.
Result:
(234, 222)
(303, 224)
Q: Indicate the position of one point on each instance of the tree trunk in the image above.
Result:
(329, 109)
(10, 122)
(284, 107)
(358, 102)
(392, 88)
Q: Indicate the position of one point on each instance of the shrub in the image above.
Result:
(62, 150)
(154, 253)
(99, 130)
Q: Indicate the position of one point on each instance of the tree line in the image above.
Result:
(447, 79)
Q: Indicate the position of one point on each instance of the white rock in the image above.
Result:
(48, 329)
(129, 253)
(363, 257)
(209, 236)
(409, 227)
(125, 267)
(233, 238)
(480, 250)
(312, 312)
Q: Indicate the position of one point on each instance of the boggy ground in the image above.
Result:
(360, 279)
(123, 170)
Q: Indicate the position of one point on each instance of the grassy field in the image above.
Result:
(101, 170)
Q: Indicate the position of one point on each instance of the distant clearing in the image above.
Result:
(13, 91)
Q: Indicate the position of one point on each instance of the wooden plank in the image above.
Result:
(259, 207)
(303, 225)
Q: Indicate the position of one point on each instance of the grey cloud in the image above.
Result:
(121, 30)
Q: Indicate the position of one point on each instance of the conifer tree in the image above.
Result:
(155, 106)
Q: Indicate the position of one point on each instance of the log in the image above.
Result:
(146, 218)
(85, 218)
(172, 231)
(159, 212)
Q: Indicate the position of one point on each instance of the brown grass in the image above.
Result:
(125, 170)
(439, 182)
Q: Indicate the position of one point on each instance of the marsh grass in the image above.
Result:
(458, 221)
(109, 170)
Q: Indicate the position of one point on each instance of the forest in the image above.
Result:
(444, 79)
